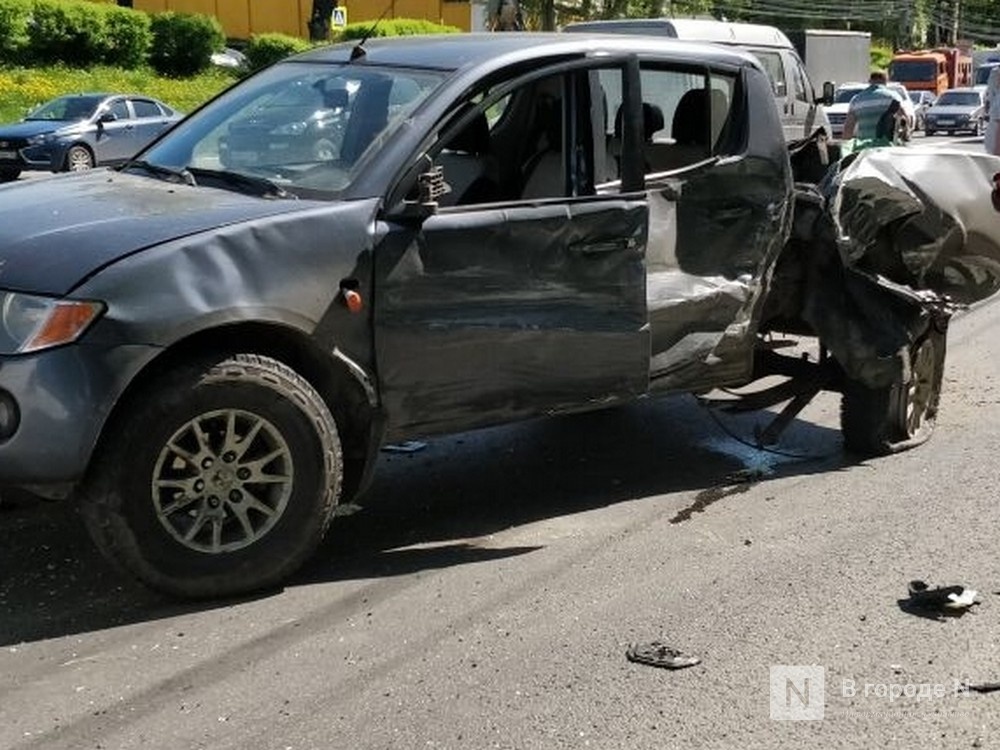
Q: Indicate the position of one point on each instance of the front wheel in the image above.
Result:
(9, 174)
(878, 421)
(929, 132)
(220, 479)
(79, 159)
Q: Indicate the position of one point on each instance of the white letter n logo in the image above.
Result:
(798, 693)
(792, 689)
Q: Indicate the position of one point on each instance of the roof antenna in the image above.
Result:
(359, 48)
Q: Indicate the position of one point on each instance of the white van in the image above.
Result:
(800, 108)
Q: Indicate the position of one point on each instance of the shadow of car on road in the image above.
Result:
(429, 509)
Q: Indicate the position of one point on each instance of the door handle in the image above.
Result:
(603, 247)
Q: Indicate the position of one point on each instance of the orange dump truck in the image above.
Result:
(934, 70)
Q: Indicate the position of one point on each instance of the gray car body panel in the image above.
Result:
(70, 227)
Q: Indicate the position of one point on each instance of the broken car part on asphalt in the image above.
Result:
(658, 654)
(946, 600)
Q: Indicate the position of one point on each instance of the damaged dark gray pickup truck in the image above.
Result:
(209, 345)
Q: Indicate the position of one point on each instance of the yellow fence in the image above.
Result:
(241, 18)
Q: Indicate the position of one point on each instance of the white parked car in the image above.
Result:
(837, 112)
(908, 107)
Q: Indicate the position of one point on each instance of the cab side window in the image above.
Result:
(775, 69)
(146, 108)
(546, 139)
(119, 109)
(685, 117)
(801, 89)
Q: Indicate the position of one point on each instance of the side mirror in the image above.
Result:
(828, 92)
(107, 117)
(430, 186)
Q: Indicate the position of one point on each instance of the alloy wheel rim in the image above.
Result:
(79, 161)
(222, 481)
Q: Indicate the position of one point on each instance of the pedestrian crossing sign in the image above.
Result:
(340, 16)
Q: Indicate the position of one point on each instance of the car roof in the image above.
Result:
(964, 90)
(103, 95)
(695, 29)
(465, 51)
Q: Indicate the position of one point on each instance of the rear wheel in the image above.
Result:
(878, 421)
(79, 159)
(9, 174)
(929, 131)
(221, 479)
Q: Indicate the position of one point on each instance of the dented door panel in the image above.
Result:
(716, 230)
(494, 313)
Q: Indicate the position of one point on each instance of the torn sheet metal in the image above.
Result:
(935, 208)
(714, 235)
(886, 246)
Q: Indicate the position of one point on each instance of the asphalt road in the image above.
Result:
(485, 590)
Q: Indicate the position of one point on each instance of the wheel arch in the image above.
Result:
(77, 144)
(343, 385)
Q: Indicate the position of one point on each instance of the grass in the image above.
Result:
(23, 89)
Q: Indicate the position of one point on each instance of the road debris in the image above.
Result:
(657, 654)
(983, 687)
(946, 600)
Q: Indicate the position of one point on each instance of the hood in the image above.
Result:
(28, 128)
(56, 232)
(837, 109)
(952, 110)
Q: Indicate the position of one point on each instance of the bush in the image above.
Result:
(128, 38)
(183, 43)
(880, 56)
(394, 27)
(14, 15)
(266, 49)
(66, 32)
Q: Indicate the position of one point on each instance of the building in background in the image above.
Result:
(241, 18)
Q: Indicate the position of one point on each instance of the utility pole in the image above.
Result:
(956, 10)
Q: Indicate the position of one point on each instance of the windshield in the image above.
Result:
(983, 74)
(913, 70)
(959, 99)
(67, 108)
(306, 127)
(844, 96)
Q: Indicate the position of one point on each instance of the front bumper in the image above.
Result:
(44, 156)
(63, 397)
(949, 123)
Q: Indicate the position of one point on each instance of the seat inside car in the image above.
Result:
(470, 169)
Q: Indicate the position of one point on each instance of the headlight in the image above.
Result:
(292, 128)
(37, 140)
(29, 323)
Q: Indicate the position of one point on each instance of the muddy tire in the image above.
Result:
(879, 421)
(220, 479)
